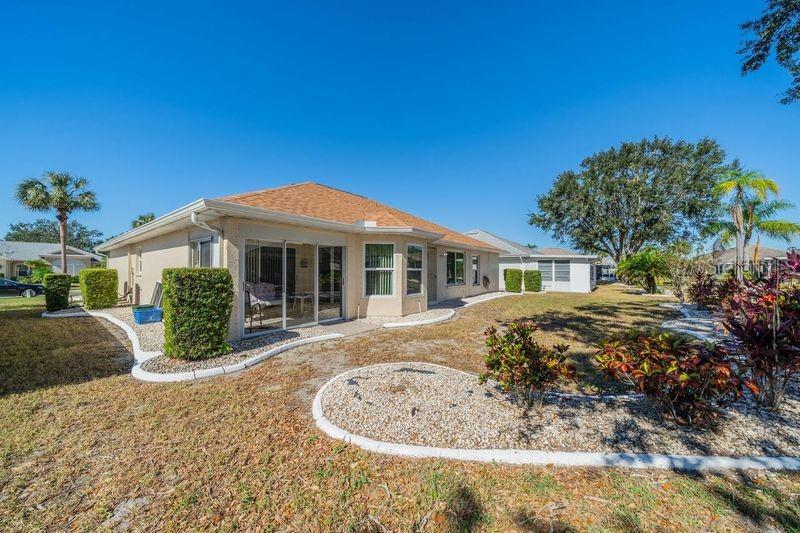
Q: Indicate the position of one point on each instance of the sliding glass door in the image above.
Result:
(300, 265)
(263, 286)
(330, 267)
(288, 285)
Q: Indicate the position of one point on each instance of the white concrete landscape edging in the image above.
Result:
(515, 456)
(498, 295)
(450, 314)
(446, 316)
(140, 356)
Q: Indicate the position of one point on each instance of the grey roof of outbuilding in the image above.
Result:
(27, 251)
(515, 249)
(729, 255)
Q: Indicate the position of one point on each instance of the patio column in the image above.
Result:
(229, 242)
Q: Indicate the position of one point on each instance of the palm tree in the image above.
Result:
(758, 221)
(63, 193)
(744, 188)
(141, 220)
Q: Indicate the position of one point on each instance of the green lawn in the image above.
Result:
(84, 446)
(18, 304)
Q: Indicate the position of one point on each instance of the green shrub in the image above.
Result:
(98, 287)
(197, 305)
(533, 281)
(688, 379)
(513, 279)
(39, 269)
(76, 280)
(56, 291)
(521, 365)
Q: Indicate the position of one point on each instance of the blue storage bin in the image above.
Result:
(146, 314)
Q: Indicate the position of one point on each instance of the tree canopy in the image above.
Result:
(46, 230)
(651, 192)
(141, 220)
(778, 27)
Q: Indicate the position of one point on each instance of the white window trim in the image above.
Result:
(464, 280)
(365, 269)
(475, 282)
(195, 243)
(422, 270)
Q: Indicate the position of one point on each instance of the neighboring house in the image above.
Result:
(562, 270)
(606, 269)
(725, 260)
(14, 254)
(307, 253)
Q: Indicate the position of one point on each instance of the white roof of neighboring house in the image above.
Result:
(515, 249)
(729, 255)
(29, 251)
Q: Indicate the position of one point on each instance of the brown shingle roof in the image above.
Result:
(326, 203)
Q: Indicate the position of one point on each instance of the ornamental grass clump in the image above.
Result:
(764, 319)
(687, 379)
(522, 366)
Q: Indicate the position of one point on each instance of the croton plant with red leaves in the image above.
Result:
(688, 379)
(764, 318)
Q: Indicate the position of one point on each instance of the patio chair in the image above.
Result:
(258, 297)
(158, 292)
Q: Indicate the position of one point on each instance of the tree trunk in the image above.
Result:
(62, 230)
(738, 221)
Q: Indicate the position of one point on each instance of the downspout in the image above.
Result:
(216, 231)
(522, 267)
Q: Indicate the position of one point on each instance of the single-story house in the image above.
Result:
(307, 253)
(14, 255)
(562, 270)
(725, 260)
(606, 269)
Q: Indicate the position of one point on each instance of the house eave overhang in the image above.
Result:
(461, 246)
(549, 256)
(207, 209)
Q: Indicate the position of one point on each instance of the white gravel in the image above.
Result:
(242, 350)
(701, 324)
(429, 405)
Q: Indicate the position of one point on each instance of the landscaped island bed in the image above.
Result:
(431, 405)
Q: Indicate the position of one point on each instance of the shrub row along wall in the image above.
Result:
(197, 305)
(513, 279)
(56, 291)
(533, 281)
(98, 287)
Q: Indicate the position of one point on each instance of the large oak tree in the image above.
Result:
(651, 192)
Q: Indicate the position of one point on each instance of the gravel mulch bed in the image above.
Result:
(423, 404)
(242, 350)
(151, 336)
(701, 324)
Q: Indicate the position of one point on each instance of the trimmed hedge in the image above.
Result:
(98, 287)
(533, 281)
(56, 291)
(513, 279)
(197, 305)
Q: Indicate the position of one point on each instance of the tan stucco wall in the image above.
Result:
(172, 250)
(487, 266)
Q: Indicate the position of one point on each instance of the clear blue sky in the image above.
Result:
(458, 112)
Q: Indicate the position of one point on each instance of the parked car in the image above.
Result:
(14, 288)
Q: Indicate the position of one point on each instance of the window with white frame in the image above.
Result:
(378, 269)
(23, 270)
(455, 268)
(561, 270)
(476, 275)
(201, 253)
(414, 253)
(546, 268)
